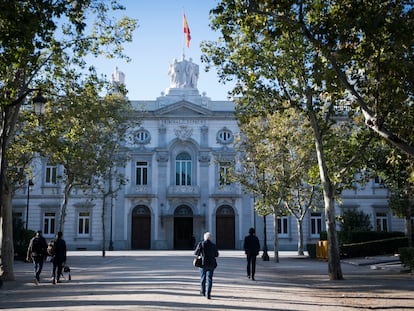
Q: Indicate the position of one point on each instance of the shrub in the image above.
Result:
(311, 248)
(407, 257)
(373, 248)
(366, 236)
(21, 239)
(355, 221)
(323, 236)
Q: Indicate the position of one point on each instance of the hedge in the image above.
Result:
(407, 257)
(373, 248)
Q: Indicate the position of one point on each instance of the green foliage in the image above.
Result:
(21, 239)
(352, 221)
(373, 248)
(311, 248)
(275, 158)
(356, 55)
(44, 46)
(348, 237)
(407, 257)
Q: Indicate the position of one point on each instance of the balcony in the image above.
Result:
(140, 191)
(183, 191)
(226, 191)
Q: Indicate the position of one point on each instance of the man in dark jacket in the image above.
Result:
(251, 249)
(36, 252)
(208, 251)
(59, 257)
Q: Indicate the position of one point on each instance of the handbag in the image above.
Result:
(198, 262)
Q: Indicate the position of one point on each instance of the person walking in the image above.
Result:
(251, 249)
(36, 252)
(208, 251)
(59, 257)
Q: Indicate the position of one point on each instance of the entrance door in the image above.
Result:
(183, 228)
(225, 227)
(141, 228)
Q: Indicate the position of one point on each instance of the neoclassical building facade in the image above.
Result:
(177, 187)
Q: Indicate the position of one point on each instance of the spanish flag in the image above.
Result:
(187, 32)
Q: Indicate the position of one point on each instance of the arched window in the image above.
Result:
(183, 169)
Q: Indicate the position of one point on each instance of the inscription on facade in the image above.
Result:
(183, 122)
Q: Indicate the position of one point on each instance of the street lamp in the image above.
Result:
(39, 103)
(29, 185)
(265, 255)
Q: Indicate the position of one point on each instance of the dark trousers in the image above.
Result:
(57, 269)
(251, 265)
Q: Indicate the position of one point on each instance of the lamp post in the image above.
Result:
(29, 185)
(265, 255)
(39, 103)
(111, 242)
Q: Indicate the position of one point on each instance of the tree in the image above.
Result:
(85, 138)
(39, 37)
(303, 197)
(396, 171)
(274, 62)
(275, 164)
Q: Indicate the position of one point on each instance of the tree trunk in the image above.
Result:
(7, 249)
(408, 226)
(334, 263)
(276, 239)
(300, 237)
(66, 193)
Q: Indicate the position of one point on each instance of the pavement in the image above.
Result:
(166, 280)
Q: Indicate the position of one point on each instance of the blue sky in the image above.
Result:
(159, 39)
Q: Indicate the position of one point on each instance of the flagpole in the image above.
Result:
(187, 34)
(184, 40)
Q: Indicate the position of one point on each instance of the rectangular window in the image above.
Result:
(84, 220)
(183, 173)
(283, 226)
(224, 171)
(141, 173)
(18, 218)
(49, 221)
(51, 175)
(381, 221)
(316, 224)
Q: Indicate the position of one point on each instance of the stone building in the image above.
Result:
(177, 189)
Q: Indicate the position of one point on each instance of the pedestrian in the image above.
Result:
(36, 252)
(59, 257)
(208, 251)
(251, 249)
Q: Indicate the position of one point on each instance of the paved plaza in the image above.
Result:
(166, 280)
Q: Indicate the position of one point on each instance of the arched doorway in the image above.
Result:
(225, 227)
(183, 227)
(141, 228)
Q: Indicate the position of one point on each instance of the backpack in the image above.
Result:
(51, 248)
(37, 246)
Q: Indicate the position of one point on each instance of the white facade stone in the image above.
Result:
(179, 126)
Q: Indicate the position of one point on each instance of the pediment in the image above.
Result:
(183, 109)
